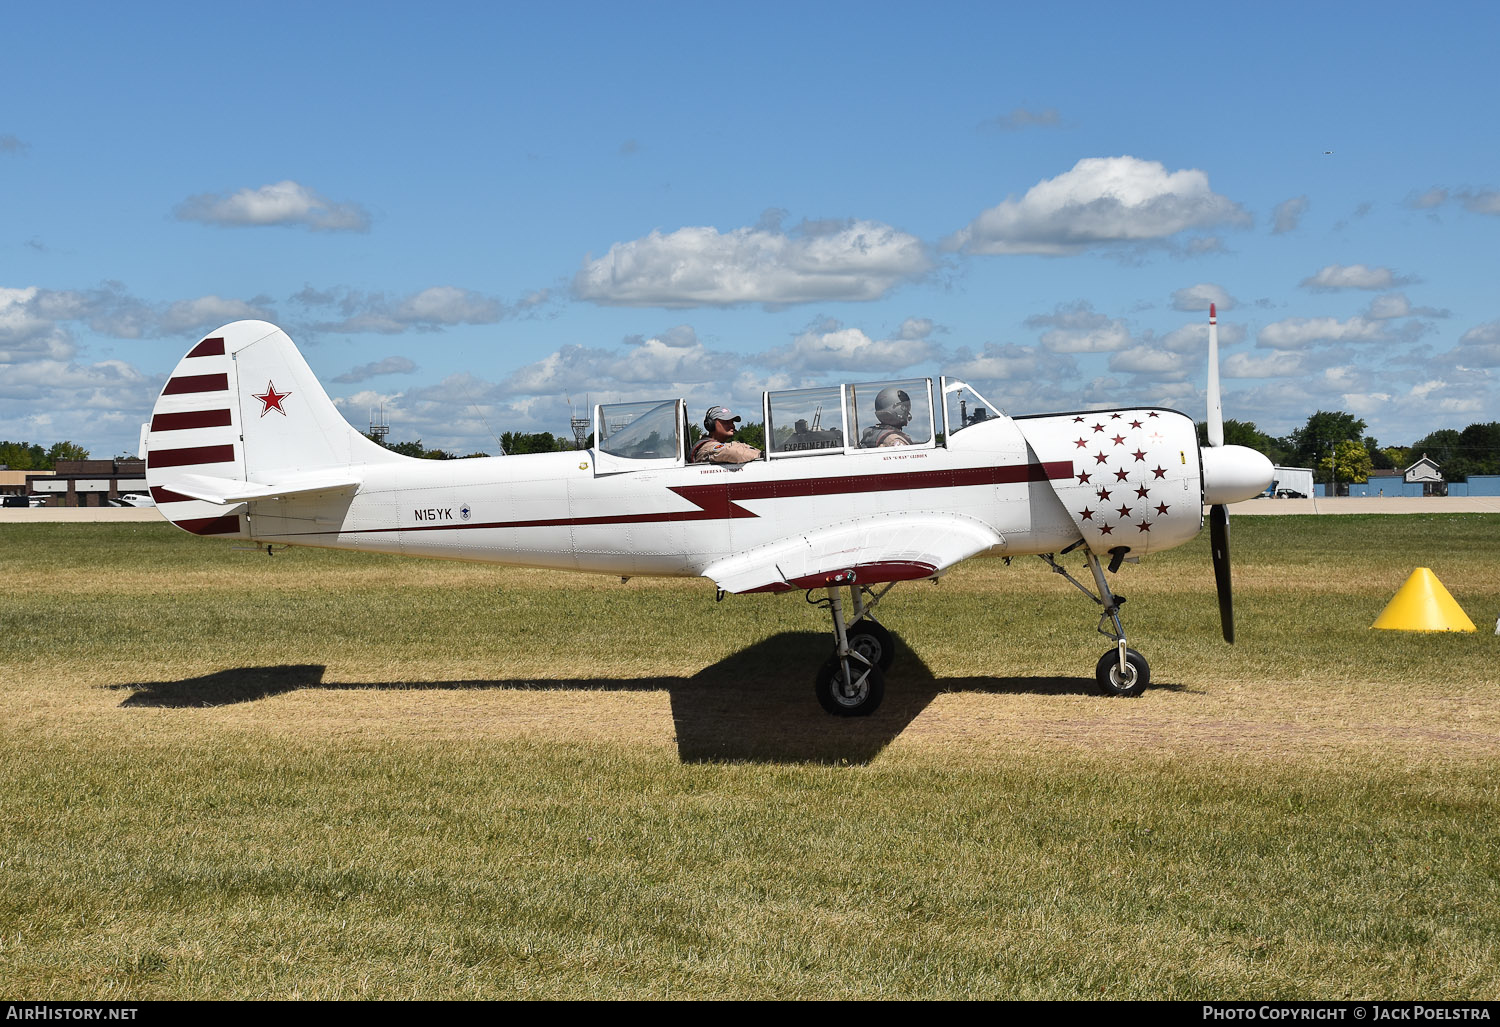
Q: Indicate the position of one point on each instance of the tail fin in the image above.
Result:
(243, 418)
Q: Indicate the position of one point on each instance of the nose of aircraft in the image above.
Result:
(1234, 473)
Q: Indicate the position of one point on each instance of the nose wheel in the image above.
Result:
(1121, 671)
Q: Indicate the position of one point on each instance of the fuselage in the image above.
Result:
(560, 510)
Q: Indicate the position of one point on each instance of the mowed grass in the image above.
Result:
(350, 776)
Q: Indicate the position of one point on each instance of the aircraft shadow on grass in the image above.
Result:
(755, 705)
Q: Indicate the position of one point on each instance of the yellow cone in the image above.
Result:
(1423, 604)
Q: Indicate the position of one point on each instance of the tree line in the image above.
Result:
(1335, 445)
(28, 456)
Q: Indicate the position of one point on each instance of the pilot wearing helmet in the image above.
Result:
(719, 445)
(893, 411)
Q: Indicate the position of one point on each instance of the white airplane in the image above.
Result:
(244, 443)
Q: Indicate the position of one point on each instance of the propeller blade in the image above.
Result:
(1218, 523)
(1215, 402)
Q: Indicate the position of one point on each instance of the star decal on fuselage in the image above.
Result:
(272, 400)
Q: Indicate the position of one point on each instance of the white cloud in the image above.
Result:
(1434, 197)
(1478, 347)
(1480, 201)
(1198, 297)
(699, 266)
(1394, 305)
(434, 308)
(10, 144)
(364, 372)
(1147, 360)
(1287, 215)
(186, 317)
(1079, 329)
(829, 346)
(997, 363)
(283, 203)
(1353, 276)
(1264, 365)
(1102, 200)
(1301, 332)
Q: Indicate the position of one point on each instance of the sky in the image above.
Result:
(473, 215)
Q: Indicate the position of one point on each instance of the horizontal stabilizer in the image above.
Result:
(864, 552)
(228, 491)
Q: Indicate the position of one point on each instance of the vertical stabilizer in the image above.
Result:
(243, 407)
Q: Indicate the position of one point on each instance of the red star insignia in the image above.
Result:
(1151, 414)
(1082, 443)
(1077, 420)
(1140, 455)
(1104, 494)
(1099, 458)
(1160, 472)
(1162, 509)
(1086, 514)
(1144, 525)
(1142, 492)
(272, 400)
(1098, 427)
(1123, 511)
(1083, 477)
(1105, 529)
(1135, 424)
(1121, 475)
(1118, 440)
(1114, 417)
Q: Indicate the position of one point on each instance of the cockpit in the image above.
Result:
(800, 423)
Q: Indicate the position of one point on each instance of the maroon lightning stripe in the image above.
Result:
(208, 348)
(192, 419)
(721, 502)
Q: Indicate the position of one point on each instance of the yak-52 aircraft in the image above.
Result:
(244, 443)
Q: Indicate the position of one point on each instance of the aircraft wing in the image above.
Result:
(862, 552)
(229, 491)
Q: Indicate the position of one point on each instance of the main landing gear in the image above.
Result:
(852, 682)
(1121, 671)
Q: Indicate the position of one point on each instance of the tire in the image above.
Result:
(1137, 677)
(869, 689)
(873, 642)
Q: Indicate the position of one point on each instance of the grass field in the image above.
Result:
(330, 775)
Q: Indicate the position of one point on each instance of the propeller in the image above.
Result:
(1218, 514)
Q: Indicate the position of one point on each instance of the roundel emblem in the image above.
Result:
(465, 512)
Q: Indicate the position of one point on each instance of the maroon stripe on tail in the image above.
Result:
(229, 524)
(192, 419)
(156, 458)
(162, 495)
(208, 348)
(196, 383)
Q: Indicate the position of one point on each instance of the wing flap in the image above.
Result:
(864, 552)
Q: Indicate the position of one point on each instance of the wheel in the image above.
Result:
(873, 642)
(859, 701)
(1135, 679)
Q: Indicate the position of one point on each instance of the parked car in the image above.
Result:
(14, 501)
(1290, 494)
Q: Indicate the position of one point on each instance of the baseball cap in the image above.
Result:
(720, 414)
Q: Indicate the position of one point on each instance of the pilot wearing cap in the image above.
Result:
(719, 445)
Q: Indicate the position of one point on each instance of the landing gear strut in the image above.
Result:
(852, 682)
(1121, 671)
